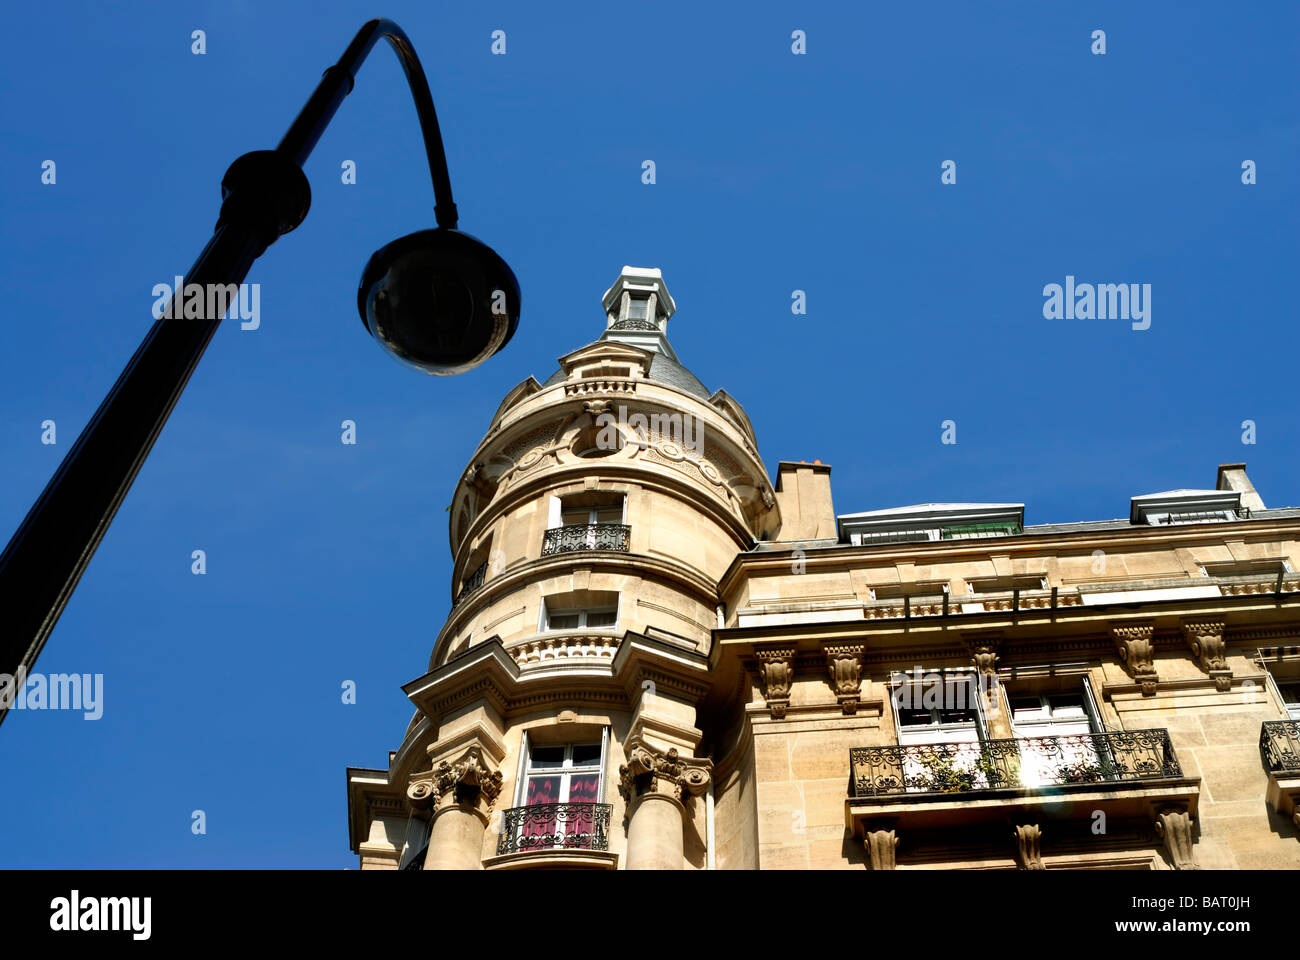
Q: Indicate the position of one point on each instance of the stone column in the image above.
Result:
(656, 785)
(461, 794)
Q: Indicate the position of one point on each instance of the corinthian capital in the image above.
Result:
(465, 781)
(1136, 652)
(1206, 641)
(650, 770)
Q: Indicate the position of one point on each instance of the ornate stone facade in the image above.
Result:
(743, 679)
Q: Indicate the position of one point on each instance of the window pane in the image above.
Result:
(602, 619)
(545, 758)
(583, 787)
(609, 515)
(914, 718)
(956, 716)
(1066, 704)
(575, 518)
(562, 621)
(636, 308)
(586, 755)
(1025, 707)
(1290, 692)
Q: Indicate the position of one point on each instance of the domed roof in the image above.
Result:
(664, 369)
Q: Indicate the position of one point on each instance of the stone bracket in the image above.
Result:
(776, 673)
(1174, 826)
(1137, 653)
(844, 664)
(1029, 839)
(1207, 644)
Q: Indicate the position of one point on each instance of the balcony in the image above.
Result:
(1279, 747)
(555, 835)
(1129, 773)
(586, 536)
(472, 582)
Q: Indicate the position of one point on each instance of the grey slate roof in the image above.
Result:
(665, 370)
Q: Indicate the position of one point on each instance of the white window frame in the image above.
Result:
(564, 772)
(544, 624)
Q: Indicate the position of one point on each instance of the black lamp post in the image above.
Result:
(439, 300)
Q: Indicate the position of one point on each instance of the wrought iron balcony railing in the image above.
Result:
(1024, 762)
(1279, 745)
(472, 582)
(586, 536)
(555, 826)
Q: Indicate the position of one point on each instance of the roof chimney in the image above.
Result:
(1232, 476)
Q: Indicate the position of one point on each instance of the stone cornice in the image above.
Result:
(931, 552)
(488, 672)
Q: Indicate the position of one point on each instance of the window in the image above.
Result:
(1290, 693)
(937, 708)
(587, 521)
(559, 788)
(1069, 713)
(1036, 581)
(638, 308)
(563, 613)
(582, 515)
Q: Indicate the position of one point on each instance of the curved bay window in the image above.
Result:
(558, 798)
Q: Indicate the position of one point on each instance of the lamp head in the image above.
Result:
(439, 300)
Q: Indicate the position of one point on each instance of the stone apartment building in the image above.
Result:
(658, 658)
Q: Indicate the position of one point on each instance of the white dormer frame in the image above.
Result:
(1155, 509)
(923, 522)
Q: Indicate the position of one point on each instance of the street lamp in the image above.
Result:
(438, 299)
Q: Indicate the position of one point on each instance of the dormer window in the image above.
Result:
(931, 522)
(1175, 507)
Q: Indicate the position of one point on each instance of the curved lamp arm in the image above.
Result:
(264, 195)
(337, 83)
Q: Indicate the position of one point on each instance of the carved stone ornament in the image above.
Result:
(1207, 643)
(465, 782)
(1174, 827)
(1029, 846)
(881, 848)
(844, 664)
(652, 771)
(1136, 652)
(776, 673)
(984, 654)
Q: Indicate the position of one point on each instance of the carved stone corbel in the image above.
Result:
(776, 673)
(1207, 643)
(650, 770)
(844, 664)
(881, 845)
(984, 654)
(1174, 827)
(1137, 653)
(1029, 846)
(464, 782)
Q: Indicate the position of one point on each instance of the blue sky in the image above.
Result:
(775, 172)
